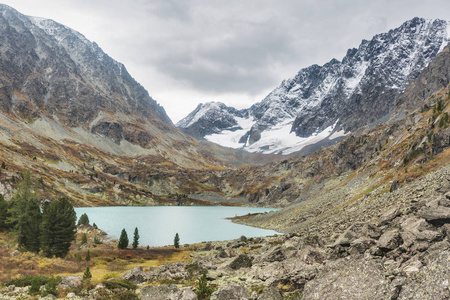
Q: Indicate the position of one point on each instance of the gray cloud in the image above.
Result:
(202, 50)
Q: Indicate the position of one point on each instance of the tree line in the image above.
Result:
(49, 227)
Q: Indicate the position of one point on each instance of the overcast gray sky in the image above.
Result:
(235, 51)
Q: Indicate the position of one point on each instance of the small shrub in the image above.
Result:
(35, 286)
(97, 241)
(27, 281)
(51, 286)
(119, 284)
(126, 295)
(204, 290)
(110, 275)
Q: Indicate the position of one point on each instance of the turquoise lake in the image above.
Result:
(158, 225)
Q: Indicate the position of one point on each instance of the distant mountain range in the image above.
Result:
(323, 103)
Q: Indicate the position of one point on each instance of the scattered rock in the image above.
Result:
(234, 292)
(136, 275)
(349, 279)
(389, 215)
(270, 293)
(390, 240)
(166, 292)
(242, 261)
(431, 281)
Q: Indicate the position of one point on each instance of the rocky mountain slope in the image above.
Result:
(79, 121)
(322, 103)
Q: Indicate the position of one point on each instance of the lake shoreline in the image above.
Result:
(158, 224)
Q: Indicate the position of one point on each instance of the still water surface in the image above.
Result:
(158, 224)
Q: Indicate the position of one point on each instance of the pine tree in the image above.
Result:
(87, 274)
(88, 256)
(3, 214)
(84, 239)
(176, 241)
(123, 240)
(24, 215)
(84, 220)
(136, 238)
(58, 228)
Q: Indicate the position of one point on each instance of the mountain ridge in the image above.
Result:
(340, 96)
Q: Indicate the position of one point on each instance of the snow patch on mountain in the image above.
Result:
(230, 138)
(351, 83)
(280, 139)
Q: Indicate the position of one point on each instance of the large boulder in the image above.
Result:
(436, 215)
(431, 281)
(355, 232)
(166, 292)
(349, 279)
(242, 261)
(276, 253)
(70, 282)
(390, 240)
(234, 292)
(137, 275)
(417, 234)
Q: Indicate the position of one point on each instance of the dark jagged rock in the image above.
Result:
(242, 261)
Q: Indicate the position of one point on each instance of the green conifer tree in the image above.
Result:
(87, 274)
(88, 256)
(123, 240)
(84, 220)
(3, 214)
(84, 239)
(24, 215)
(58, 228)
(136, 238)
(176, 241)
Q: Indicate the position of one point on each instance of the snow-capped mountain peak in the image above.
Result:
(212, 117)
(342, 95)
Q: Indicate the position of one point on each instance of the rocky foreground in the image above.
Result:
(402, 253)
